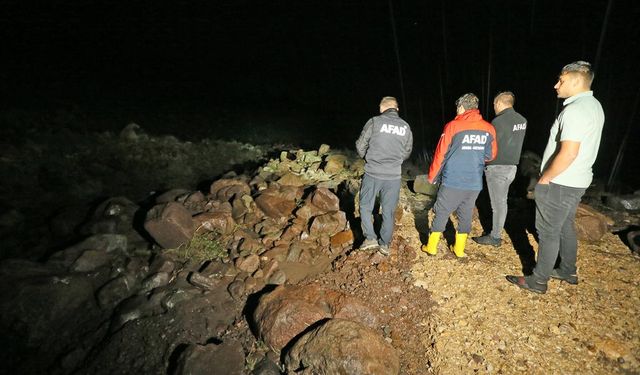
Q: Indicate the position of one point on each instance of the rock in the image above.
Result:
(203, 282)
(629, 202)
(341, 241)
(295, 250)
(107, 243)
(171, 195)
(591, 225)
(334, 163)
(248, 264)
(329, 224)
(250, 245)
(220, 222)
(270, 226)
(239, 208)
(116, 290)
(283, 314)
(131, 133)
(279, 201)
(325, 200)
(269, 268)
(91, 260)
(226, 189)
(114, 215)
(323, 149)
(43, 315)
(278, 253)
(421, 185)
(195, 202)
(292, 232)
(236, 289)
(266, 367)
(288, 310)
(170, 225)
(177, 296)
(155, 280)
(133, 308)
(307, 211)
(292, 179)
(277, 278)
(162, 264)
(343, 347)
(226, 358)
(215, 269)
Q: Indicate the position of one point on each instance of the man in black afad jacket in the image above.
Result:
(385, 142)
(500, 172)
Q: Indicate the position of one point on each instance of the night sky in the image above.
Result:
(321, 60)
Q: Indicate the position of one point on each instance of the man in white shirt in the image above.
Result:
(565, 175)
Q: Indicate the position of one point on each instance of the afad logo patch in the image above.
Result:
(475, 139)
(393, 129)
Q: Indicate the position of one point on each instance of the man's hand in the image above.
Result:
(544, 181)
(567, 154)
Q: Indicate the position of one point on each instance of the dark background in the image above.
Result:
(320, 67)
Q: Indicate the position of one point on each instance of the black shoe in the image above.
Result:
(571, 279)
(521, 282)
(488, 240)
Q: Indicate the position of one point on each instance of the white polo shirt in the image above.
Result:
(581, 120)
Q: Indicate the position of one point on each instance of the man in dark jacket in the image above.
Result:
(385, 142)
(510, 129)
(465, 145)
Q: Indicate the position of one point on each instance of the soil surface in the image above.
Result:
(455, 316)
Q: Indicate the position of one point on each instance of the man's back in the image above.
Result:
(510, 131)
(466, 143)
(386, 141)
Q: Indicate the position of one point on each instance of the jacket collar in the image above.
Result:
(470, 114)
(572, 99)
(506, 110)
(391, 112)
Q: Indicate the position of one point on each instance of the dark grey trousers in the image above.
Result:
(499, 178)
(389, 191)
(449, 200)
(556, 207)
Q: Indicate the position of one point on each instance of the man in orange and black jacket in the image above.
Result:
(466, 144)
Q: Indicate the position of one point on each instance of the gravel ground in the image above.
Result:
(450, 316)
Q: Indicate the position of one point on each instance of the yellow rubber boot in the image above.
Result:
(461, 241)
(431, 247)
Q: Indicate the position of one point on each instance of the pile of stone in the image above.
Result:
(76, 310)
(287, 213)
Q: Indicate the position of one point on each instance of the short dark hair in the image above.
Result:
(580, 67)
(468, 101)
(505, 97)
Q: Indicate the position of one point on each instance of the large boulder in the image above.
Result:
(591, 225)
(289, 310)
(342, 347)
(279, 201)
(170, 224)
